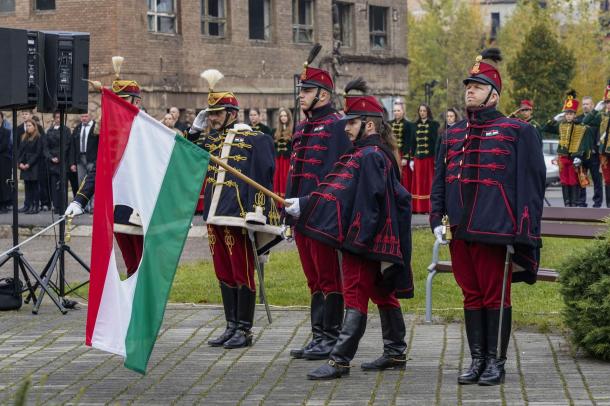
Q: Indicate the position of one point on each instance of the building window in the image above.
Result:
(302, 21)
(162, 16)
(378, 27)
(495, 24)
(7, 6)
(213, 18)
(44, 5)
(259, 13)
(343, 23)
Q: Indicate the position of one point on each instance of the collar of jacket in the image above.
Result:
(320, 112)
(375, 140)
(483, 115)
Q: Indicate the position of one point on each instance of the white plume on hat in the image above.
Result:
(212, 76)
(117, 62)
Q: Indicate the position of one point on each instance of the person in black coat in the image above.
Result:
(51, 152)
(85, 140)
(29, 156)
(5, 166)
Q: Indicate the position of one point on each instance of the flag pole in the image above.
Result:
(248, 180)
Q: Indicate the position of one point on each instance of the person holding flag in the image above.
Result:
(487, 194)
(242, 222)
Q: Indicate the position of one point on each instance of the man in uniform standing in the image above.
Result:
(423, 151)
(362, 209)
(526, 113)
(591, 118)
(488, 193)
(575, 142)
(403, 132)
(317, 143)
(604, 142)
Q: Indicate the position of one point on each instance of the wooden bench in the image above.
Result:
(564, 222)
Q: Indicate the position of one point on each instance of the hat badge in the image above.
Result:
(476, 68)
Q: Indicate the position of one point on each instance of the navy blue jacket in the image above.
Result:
(490, 179)
(360, 207)
(229, 201)
(317, 143)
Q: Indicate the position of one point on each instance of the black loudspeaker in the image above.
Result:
(13, 69)
(65, 70)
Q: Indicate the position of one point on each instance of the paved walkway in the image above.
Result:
(184, 370)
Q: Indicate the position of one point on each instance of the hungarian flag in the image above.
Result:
(144, 165)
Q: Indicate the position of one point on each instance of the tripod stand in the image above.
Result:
(19, 261)
(57, 259)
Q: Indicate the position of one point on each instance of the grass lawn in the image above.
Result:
(537, 305)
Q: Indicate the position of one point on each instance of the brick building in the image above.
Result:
(258, 44)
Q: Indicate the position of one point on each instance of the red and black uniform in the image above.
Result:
(403, 132)
(423, 151)
(361, 209)
(317, 143)
(283, 149)
(489, 182)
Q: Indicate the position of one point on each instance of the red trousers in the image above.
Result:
(359, 284)
(567, 172)
(131, 247)
(320, 265)
(605, 165)
(232, 255)
(479, 270)
(421, 185)
(407, 177)
(280, 176)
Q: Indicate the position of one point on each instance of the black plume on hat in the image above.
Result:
(357, 84)
(572, 93)
(493, 54)
(315, 50)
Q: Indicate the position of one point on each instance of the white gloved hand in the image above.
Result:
(74, 209)
(404, 162)
(559, 117)
(292, 207)
(412, 165)
(577, 162)
(200, 122)
(438, 233)
(600, 106)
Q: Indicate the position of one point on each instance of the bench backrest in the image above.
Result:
(574, 222)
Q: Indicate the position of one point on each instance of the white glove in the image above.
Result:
(403, 162)
(200, 122)
(74, 209)
(577, 162)
(600, 106)
(292, 207)
(412, 165)
(438, 233)
(559, 117)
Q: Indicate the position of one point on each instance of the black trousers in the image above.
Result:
(44, 188)
(592, 165)
(31, 193)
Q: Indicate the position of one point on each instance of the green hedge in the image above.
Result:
(585, 287)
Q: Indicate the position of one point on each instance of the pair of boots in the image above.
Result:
(393, 332)
(238, 305)
(326, 318)
(571, 195)
(487, 366)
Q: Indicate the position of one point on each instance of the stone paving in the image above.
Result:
(49, 349)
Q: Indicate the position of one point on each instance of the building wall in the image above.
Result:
(259, 72)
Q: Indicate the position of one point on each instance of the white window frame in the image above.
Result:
(385, 33)
(156, 14)
(296, 27)
(206, 19)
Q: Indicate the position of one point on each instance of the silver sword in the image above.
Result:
(510, 250)
(261, 281)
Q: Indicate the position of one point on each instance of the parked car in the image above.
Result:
(549, 149)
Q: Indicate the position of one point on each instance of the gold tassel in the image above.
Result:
(446, 228)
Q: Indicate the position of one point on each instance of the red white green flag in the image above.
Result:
(144, 165)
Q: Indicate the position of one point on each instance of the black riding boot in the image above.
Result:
(246, 300)
(474, 321)
(494, 370)
(607, 190)
(317, 324)
(574, 195)
(229, 302)
(393, 332)
(333, 315)
(345, 348)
